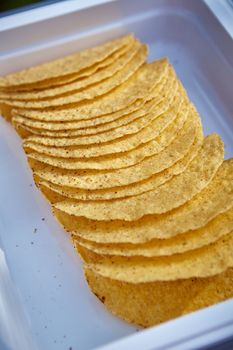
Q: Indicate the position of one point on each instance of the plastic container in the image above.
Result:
(44, 300)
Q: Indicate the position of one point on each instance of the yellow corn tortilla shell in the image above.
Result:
(185, 242)
(22, 131)
(106, 181)
(220, 290)
(91, 92)
(99, 76)
(71, 64)
(148, 304)
(172, 194)
(74, 128)
(126, 121)
(172, 159)
(124, 144)
(132, 93)
(104, 122)
(116, 161)
(73, 120)
(56, 193)
(62, 80)
(215, 199)
(207, 261)
(133, 127)
(56, 82)
(5, 111)
(21, 124)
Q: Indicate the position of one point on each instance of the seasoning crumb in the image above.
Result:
(16, 245)
(59, 285)
(70, 348)
(32, 242)
(35, 230)
(45, 327)
(30, 185)
(43, 219)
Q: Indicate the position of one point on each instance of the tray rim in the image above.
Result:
(220, 8)
(136, 340)
(45, 12)
(223, 11)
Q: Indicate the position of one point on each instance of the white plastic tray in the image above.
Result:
(44, 300)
